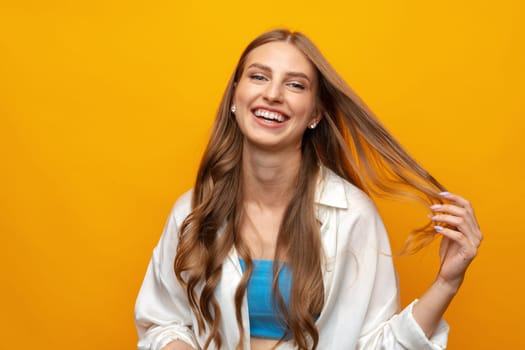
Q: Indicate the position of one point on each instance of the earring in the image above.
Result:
(233, 109)
(313, 125)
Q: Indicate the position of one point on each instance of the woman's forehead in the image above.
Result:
(280, 57)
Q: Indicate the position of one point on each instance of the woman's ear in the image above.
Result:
(318, 114)
(316, 118)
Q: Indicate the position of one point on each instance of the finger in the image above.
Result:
(456, 221)
(468, 250)
(453, 215)
(462, 202)
(460, 225)
(449, 209)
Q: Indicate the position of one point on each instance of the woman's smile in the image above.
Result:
(270, 116)
(275, 97)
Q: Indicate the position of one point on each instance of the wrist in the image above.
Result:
(448, 287)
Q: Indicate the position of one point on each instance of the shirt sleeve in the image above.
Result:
(162, 313)
(384, 328)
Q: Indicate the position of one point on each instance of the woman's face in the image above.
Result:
(275, 97)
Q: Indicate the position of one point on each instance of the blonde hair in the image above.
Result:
(349, 140)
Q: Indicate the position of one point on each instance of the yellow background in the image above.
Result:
(105, 107)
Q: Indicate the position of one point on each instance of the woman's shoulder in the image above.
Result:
(182, 206)
(351, 215)
(335, 191)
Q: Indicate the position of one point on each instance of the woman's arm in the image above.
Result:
(420, 325)
(177, 345)
(162, 313)
(459, 246)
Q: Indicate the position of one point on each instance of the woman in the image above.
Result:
(278, 245)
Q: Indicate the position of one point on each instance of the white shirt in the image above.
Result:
(360, 284)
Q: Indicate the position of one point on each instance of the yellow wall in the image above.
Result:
(105, 107)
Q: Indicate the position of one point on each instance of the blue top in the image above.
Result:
(264, 321)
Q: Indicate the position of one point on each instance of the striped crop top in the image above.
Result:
(264, 321)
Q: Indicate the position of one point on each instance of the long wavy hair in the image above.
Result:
(349, 140)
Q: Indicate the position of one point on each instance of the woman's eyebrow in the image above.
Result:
(269, 70)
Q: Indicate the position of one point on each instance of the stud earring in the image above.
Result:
(313, 125)
(233, 109)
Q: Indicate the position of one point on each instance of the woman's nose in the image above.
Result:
(273, 92)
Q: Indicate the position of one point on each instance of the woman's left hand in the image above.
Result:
(456, 222)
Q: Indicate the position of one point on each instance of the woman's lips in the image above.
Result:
(269, 115)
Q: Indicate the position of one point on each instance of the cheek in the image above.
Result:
(242, 94)
(306, 106)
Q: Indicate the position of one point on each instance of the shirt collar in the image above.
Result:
(330, 189)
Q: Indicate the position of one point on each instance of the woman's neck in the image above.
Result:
(269, 178)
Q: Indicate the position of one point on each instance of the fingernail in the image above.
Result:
(444, 194)
(438, 228)
(435, 206)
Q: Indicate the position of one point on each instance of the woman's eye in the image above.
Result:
(296, 85)
(257, 77)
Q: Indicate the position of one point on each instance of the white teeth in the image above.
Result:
(269, 115)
